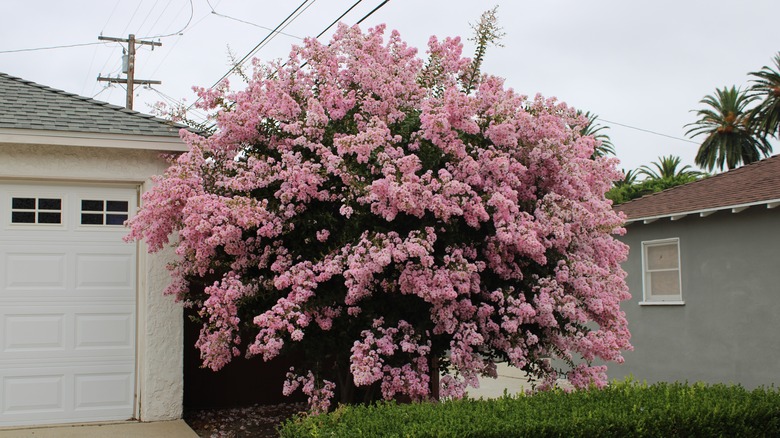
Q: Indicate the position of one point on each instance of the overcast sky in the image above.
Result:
(643, 64)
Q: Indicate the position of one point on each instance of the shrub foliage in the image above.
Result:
(621, 410)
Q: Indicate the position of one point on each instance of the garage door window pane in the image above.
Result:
(49, 204)
(116, 206)
(104, 212)
(23, 217)
(89, 205)
(23, 203)
(49, 218)
(91, 219)
(115, 219)
(36, 210)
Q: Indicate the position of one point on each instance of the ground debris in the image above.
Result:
(258, 421)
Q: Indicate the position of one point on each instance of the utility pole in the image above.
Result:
(129, 69)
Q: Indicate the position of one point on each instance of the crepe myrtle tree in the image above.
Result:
(375, 213)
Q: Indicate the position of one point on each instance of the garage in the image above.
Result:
(87, 334)
(69, 304)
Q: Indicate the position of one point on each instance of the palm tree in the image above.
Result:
(592, 128)
(629, 178)
(730, 139)
(765, 118)
(667, 168)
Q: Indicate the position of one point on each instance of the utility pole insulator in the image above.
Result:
(131, 81)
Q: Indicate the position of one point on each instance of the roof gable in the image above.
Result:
(31, 106)
(751, 184)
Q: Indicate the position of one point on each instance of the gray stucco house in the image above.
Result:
(86, 334)
(704, 272)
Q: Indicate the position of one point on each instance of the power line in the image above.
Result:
(180, 31)
(257, 47)
(105, 87)
(252, 24)
(167, 5)
(648, 131)
(111, 15)
(318, 35)
(178, 40)
(148, 14)
(173, 100)
(268, 37)
(66, 46)
(132, 17)
(339, 19)
(372, 11)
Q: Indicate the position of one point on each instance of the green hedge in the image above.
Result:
(625, 409)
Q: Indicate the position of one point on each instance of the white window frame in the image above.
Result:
(647, 298)
(105, 212)
(6, 221)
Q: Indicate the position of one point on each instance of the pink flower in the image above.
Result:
(468, 223)
(323, 235)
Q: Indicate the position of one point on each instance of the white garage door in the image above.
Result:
(67, 304)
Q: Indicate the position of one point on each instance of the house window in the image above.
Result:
(103, 212)
(36, 211)
(661, 272)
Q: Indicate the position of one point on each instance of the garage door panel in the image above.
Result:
(33, 394)
(104, 271)
(70, 393)
(67, 305)
(77, 269)
(31, 270)
(67, 331)
(103, 331)
(33, 332)
(103, 391)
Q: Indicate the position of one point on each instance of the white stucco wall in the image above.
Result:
(160, 383)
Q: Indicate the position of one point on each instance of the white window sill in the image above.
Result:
(662, 303)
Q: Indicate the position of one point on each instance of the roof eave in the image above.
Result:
(770, 203)
(170, 143)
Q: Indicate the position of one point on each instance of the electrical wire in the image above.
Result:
(178, 40)
(257, 47)
(253, 24)
(648, 131)
(180, 31)
(167, 5)
(372, 11)
(132, 17)
(66, 46)
(89, 69)
(171, 100)
(338, 19)
(148, 14)
(318, 35)
(286, 22)
(101, 90)
(111, 15)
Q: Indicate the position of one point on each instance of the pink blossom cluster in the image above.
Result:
(358, 202)
(371, 360)
(320, 392)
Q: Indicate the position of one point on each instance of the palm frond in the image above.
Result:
(765, 118)
(594, 129)
(730, 139)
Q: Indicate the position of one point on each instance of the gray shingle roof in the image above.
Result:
(27, 105)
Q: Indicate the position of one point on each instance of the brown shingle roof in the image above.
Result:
(750, 184)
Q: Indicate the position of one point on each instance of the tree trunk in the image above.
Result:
(434, 372)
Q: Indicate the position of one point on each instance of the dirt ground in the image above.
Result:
(258, 421)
